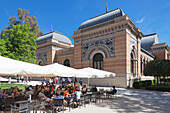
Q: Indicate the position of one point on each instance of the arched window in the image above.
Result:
(131, 62)
(141, 66)
(67, 62)
(41, 63)
(98, 61)
(144, 63)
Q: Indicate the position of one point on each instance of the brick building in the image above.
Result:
(110, 41)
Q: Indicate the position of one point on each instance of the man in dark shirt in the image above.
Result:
(113, 91)
(2, 94)
(94, 89)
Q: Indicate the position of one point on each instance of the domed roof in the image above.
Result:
(102, 18)
(148, 40)
(55, 35)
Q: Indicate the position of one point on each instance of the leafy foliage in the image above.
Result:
(157, 68)
(3, 51)
(19, 43)
(23, 17)
(9, 85)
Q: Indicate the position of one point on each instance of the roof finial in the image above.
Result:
(51, 28)
(107, 7)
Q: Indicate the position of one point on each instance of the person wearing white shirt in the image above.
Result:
(78, 94)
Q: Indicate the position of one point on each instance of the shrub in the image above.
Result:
(165, 79)
(136, 84)
(141, 84)
(165, 88)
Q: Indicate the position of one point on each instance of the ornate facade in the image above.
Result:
(110, 41)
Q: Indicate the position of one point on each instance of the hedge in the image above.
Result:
(158, 88)
(140, 84)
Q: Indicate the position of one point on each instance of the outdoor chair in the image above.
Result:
(16, 98)
(82, 101)
(93, 97)
(98, 96)
(58, 103)
(23, 106)
(71, 103)
(20, 98)
(7, 103)
(34, 105)
(87, 98)
(103, 96)
(42, 104)
(111, 95)
(34, 97)
(1, 104)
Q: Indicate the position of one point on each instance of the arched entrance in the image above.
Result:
(98, 61)
(66, 63)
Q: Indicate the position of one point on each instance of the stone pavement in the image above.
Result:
(131, 101)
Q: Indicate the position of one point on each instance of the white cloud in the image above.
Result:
(141, 20)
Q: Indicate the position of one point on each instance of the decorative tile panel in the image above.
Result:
(107, 43)
(42, 56)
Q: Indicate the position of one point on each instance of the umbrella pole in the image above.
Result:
(0, 81)
(27, 81)
(55, 83)
(58, 81)
(88, 81)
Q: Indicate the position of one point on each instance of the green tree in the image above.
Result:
(158, 68)
(3, 51)
(23, 17)
(19, 43)
(151, 69)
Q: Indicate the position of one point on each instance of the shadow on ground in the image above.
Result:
(139, 101)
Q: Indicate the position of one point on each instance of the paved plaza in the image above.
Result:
(130, 100)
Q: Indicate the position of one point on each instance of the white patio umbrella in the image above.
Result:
(95, 73)
(61, 70)
(14, 67)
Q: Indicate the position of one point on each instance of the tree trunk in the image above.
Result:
(164, 80)
(160, 81)
(157, 81)
(167, 80)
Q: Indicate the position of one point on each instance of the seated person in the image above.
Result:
(84, 89)
(5, 91)
(113, 90)
(57, 96)
(27, 92)
(2, 94)
(30, 88)
(66, 95)
(42, 96)
(78, 95)
(94, 89)
(16, 91)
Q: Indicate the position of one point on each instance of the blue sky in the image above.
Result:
(66, 15)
